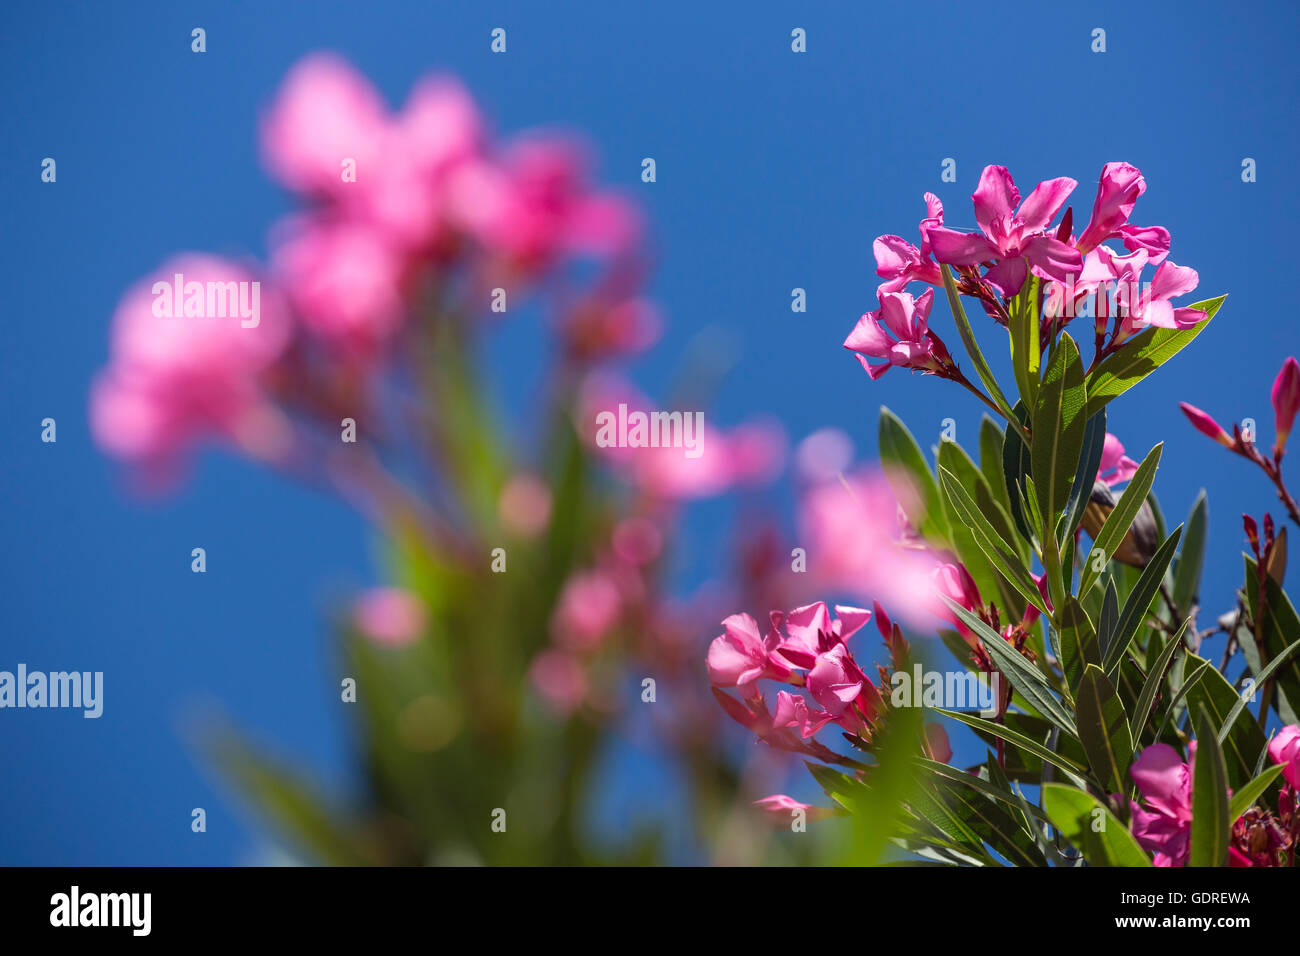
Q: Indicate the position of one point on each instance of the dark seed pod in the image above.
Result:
(1139, 544)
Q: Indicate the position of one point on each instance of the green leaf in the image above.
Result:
(1244, 799)
(1280, 626)
(910, 477)
(1103, 728)
(1094, 441)
(1244, 740)
(1259, 680)
(972, 347)
(1016, 738)
(1121, 518)
(1022, 328)
(1058, 427)
(1001, 555)
(1024, 676)
(1139, 599)
(1091, 828)
(1108, 620)
(991, 439)
(1211, 827)
(1015, 469)
(1191, 556)
(991, 822)
(1154, 681)
(1078, 642)
(1141, 356)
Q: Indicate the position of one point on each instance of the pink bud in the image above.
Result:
(1206, 425)
(1286, 399)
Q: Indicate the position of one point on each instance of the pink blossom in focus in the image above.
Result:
(1286, 400)
(1012, 232)
(1206, 425)
(1118, 190)
(1284, 748)
(740, 656)
(391, 616)
(912, 345)
(1164, 824)
(1116, 467)
(172, 380)
(899, 262)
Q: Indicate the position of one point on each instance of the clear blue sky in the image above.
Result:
(775, 170)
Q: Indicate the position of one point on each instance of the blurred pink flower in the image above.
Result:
(783, 807)
(534, 206)
(936, 739)
(391, 616)
(588, 607)
(175, 378)
(849, 530)
(344, 281)
(560, 679)
(525, 505)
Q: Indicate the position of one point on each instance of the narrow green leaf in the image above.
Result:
(909, 476)
(1141, 356)
(1191, 556)
(1244, 799)
(972, 346)
(1015, 468)
(1058, 428)
(1258, 681)
(1139, 599)
(1103, 728)
(1211, 827)
(1094, 441)
(1121, 518)
(1027, 744)
(1151, 686)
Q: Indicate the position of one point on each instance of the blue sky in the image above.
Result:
(775, 170)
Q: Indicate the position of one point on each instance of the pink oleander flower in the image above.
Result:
(1164, 824)
(840, 687)
(1206, 425)
(782, 807)
(1286, 400)
(811, 630)
(525, 505)
(391, 616)
(899, 262)
(1284, 748)
(913, 345)
(330, 136)
(793, 711)
(849, 528)
(1118, 189)
(587, 609)
(1116, 467)
(344, 280)
(740, 655)
(936, 739)
(1013, 233)
(1152, 306)
(534, 206)
(176, 376)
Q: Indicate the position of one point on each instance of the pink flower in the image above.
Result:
(793, 711)
(936, 738)
(913, 346)
(783, 807)
(326, 112)
(588, 607)
(1118, 189)
(1013, 232)
(739, 656)
(1116, 467)
(525, 505)
(1286, 400)
(344, 280)
(899, 262)
(1165, 782)
(849, 529)
(1152, 306)
(811, 630)
(391, 616)
(535, 206)
(954, 582)
(1206, 425)
(843, 690)
(185, 369)
(1284, 748)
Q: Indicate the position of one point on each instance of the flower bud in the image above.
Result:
(1206, 425)
(1286, 400)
